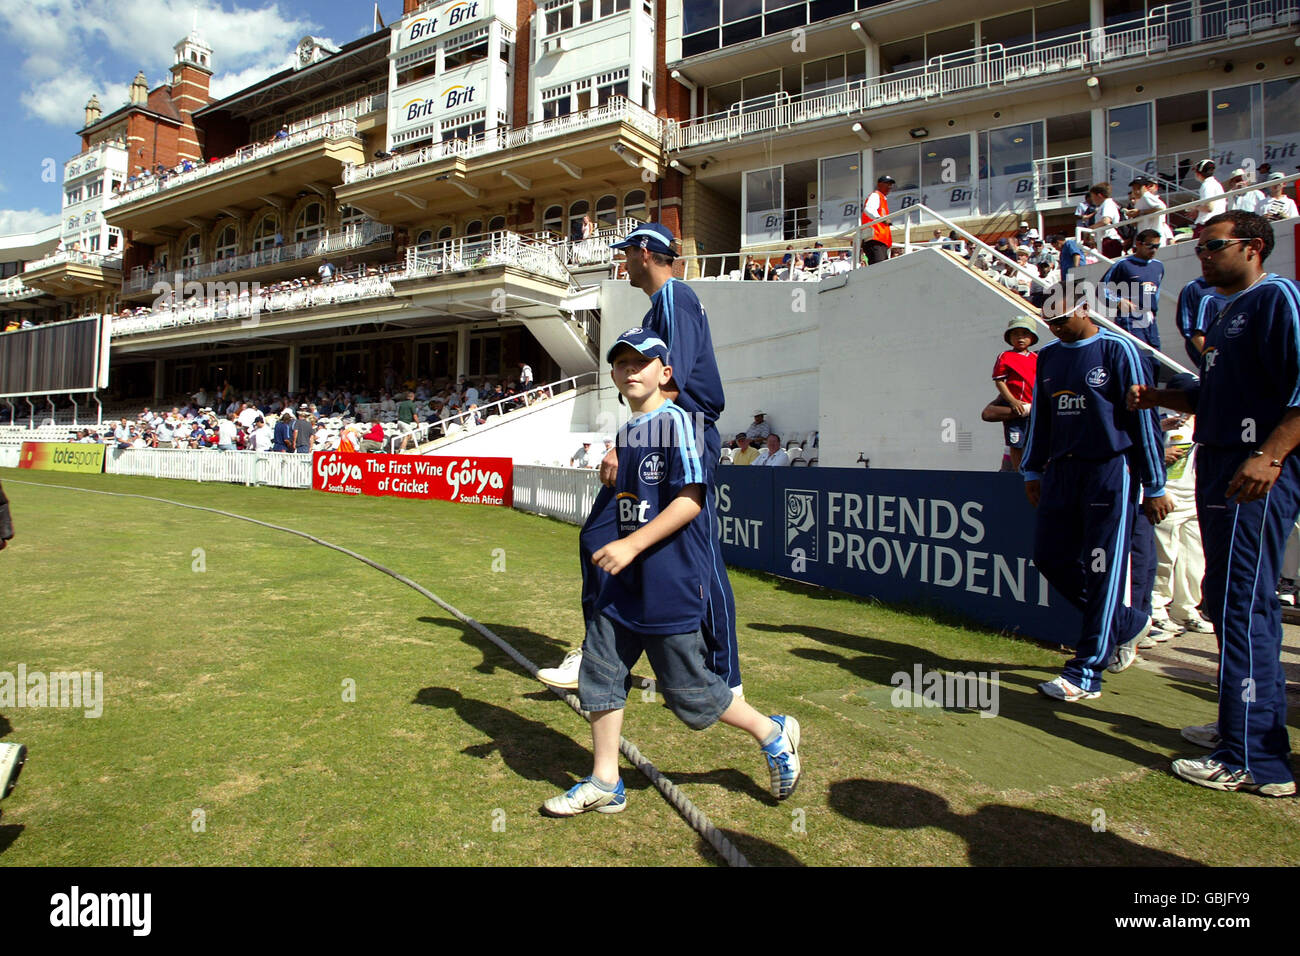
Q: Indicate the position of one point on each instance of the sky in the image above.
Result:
(55, 53)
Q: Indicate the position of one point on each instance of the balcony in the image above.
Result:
(506, 249)
(1167, 28)
(73, 272)
(615, 140)
(14, 290)
(242, 180)
(94, 159)
(266, 261)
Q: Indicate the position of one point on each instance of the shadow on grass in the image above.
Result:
(8, 834)
(757, 851)
(874, 660)
(995, 834)
(529, 748)
(733, 781)
(539, 648)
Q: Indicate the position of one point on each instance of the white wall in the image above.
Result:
(543, 434)
(767, 349)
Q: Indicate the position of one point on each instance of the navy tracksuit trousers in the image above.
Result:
(1244, 545)
(1086, 513)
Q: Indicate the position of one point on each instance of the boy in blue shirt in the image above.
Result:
(654, 590)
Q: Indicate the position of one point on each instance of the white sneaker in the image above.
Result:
(1204, 735)
(1286, 592)
(1208, 772)
(1198, 625)
(1123, 656)
(566, 675)
(1148, 640)
(1062, 689)
(1166, 624)
(12, 758)
(584, 796)
(1157, 636)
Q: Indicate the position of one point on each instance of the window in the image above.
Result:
(557, 102)
(311, 223)
(558, 17)
(227, 243)
(191, 252)
(634, 206)
(609, 85)
(72, 196)
(763, 201)
(444, 233)
(351, 216)
(465, 127)
(465, 50)
(553, 220)
(606, 210)
(424, 238)
(94, 188)
(92, 244)
(473, 228)
(839, 193)
(1007, 168)
(576, 212)
(264, 235)
(498, 224)
(945, 176)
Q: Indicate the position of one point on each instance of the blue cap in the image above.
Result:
(644, 341)
(651, 236)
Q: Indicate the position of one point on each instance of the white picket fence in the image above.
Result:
(281, 469)
(564, 493)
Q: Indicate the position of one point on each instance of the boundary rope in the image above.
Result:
(672, 793)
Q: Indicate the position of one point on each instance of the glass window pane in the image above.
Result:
(945, 175)
(733, 10)
(903, 163)
(764, 215)
(903, 55)
(1011, 30)
(1060, 19)
(1007, 167)
(953, 40)
(1130, 136)
(1235, 126)
(1282, 123)
(742, 30)
(839, 193)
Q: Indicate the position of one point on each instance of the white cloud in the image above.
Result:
(73, 48)
(19, 221)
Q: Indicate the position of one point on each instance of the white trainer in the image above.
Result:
(566, 675)
(1203, 735)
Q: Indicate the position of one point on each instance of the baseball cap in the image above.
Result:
(651, 236)
(1142, 181)
(644, 341)
(1020, 322)
(886, 179)
(1277, 175)
(1238, 172)
(1023, 223)
(1205, 166)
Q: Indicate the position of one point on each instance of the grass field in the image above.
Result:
(227, 652)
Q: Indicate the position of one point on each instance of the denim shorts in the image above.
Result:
(693, 692)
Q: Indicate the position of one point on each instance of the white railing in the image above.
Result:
(494, 249)
(1062, 178)
(281, 469)
(1149, 220)
(76, 257)
(618, 109)
(563, 493)
(12, 289)
(151, 186)
(457, 424)
(1167, 27)
(834, 260)
(344, 240)
(367, 104)
(249, 306)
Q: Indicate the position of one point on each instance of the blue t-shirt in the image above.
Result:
(1069, 249)
(678, 318)
(664, 590)
(1250, 371)
(1198, 303)
(1138, 281)
(1079, 409)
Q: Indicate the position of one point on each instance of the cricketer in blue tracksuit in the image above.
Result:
(1136, 280)
(677, 317)
(1197, 304)
(1250, 378)
(1086, 448)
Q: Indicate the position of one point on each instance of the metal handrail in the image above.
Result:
(100, 259)
(1227, 194)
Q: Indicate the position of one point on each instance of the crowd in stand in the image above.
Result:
(323, 418)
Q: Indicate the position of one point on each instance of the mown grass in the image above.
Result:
(227, 650)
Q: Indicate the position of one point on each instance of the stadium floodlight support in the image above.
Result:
(862, 33)
(861, 132)
(1094, 87)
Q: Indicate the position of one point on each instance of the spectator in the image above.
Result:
(1025, 235)
(1278, 205)
(1131, 287)
(1180, 560)
(326, 271)
(1210, 189)
(283, 437)
(1145, 202)
(1071, 256)
(406, 420)
(760, 429)
(263, 435)
(745, 452)
(302, 432)
(876, 249)
(582, 457)
(773, 456)
(1106, 218)
(1013, 376)
(283, 133)
(226, 433)
(1252, 201)
(525, 376)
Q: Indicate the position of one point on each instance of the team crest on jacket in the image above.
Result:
(1236, 325)
(1097, 377)
(652, 468)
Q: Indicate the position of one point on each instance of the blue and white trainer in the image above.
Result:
(12, 758)
(584, 796)
(783, 757)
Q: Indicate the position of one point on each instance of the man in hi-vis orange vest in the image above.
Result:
(877, 247)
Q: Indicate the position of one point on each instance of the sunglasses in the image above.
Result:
(1214, 245)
